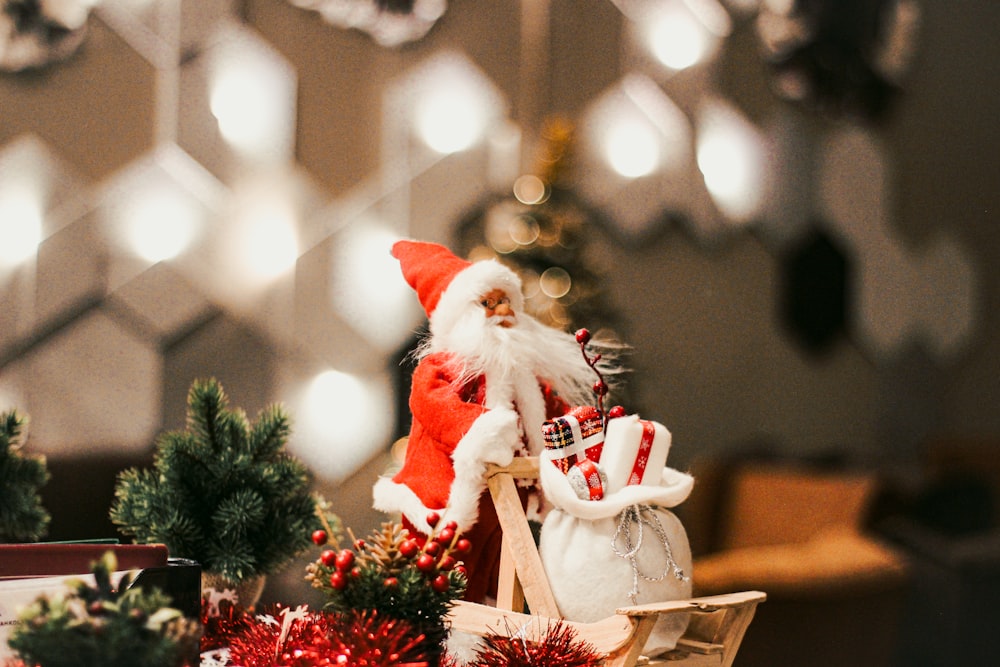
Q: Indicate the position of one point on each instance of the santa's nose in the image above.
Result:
(503, 309)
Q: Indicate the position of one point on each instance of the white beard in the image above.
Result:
(513, 360)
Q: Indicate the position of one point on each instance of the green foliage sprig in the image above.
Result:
(22, 516)
(104, 626)
(222, 492)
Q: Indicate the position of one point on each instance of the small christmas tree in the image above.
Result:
(104, 625)
(22, 516)
(223, 492)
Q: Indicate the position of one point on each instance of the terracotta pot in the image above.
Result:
(248, 591)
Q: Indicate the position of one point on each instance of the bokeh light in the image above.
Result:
(732, 158)
(160, 225)
(20, 223)
(450, 120)
(345, 419)
(684, 33)
(632, 148)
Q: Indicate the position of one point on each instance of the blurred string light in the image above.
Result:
(160, 224)
(21, 215)
(266, 243)
(684, 33)
(731, 154)
(453, 105)
(252, 93)
(636, 130)
(367, 285)
(449, 120)
(346, 419)
(530, 189)
(632, 148)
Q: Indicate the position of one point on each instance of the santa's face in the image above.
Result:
(497, 308)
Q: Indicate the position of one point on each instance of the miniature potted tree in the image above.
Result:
(223, 492)
(22, 516)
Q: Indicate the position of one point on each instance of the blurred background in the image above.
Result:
(787, 209)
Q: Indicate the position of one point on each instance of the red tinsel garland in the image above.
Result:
(559, 647)
(362, 639)
(280, 637)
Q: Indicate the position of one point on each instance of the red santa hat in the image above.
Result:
(446, 285)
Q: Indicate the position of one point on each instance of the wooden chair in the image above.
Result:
(714, 633)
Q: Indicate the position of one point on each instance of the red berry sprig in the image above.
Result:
(393, 551)
(600, 387)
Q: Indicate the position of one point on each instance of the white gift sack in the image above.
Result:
(590, 581)
(622, 550)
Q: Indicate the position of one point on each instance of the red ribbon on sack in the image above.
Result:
(593, 477)
(642, 457)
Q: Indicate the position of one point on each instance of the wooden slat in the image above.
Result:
(523, 553)
(522, 467)
(705, 604)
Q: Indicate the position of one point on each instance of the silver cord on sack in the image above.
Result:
(643, 515)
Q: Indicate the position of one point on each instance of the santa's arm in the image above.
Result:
(436, 402)
(480, 435)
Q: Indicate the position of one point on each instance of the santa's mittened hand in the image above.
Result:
(496, 435)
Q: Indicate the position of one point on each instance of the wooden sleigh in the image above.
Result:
(715, 631)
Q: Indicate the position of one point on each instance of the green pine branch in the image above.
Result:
(222, 492)
(23, 518)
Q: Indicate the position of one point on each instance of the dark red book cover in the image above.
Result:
(46, 559)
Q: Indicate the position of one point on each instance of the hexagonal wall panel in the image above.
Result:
(93, 387)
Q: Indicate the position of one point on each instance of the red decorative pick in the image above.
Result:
(600, 387)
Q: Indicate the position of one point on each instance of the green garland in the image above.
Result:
(223, 492)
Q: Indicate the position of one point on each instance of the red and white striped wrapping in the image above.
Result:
(635, 452)
(577, 435)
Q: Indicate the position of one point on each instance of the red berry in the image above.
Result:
(463, 546)
(582, 336)
(344, 560)
(452, 525)
(440, 583)
(356, 573)
(616, 412)
(359, 544)
(391, 582)
(445, 536)
(433, 548)
(338, 580)
(426, 563)
(600, 388)
(319, 537)
(329, 557)
(447, 563)
(460, 568)
(433, 518)
(409, 548)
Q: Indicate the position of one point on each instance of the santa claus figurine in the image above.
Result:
(488, 375)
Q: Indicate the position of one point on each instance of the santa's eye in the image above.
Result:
(491, 304)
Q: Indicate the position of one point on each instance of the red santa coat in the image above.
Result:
(452, 438)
